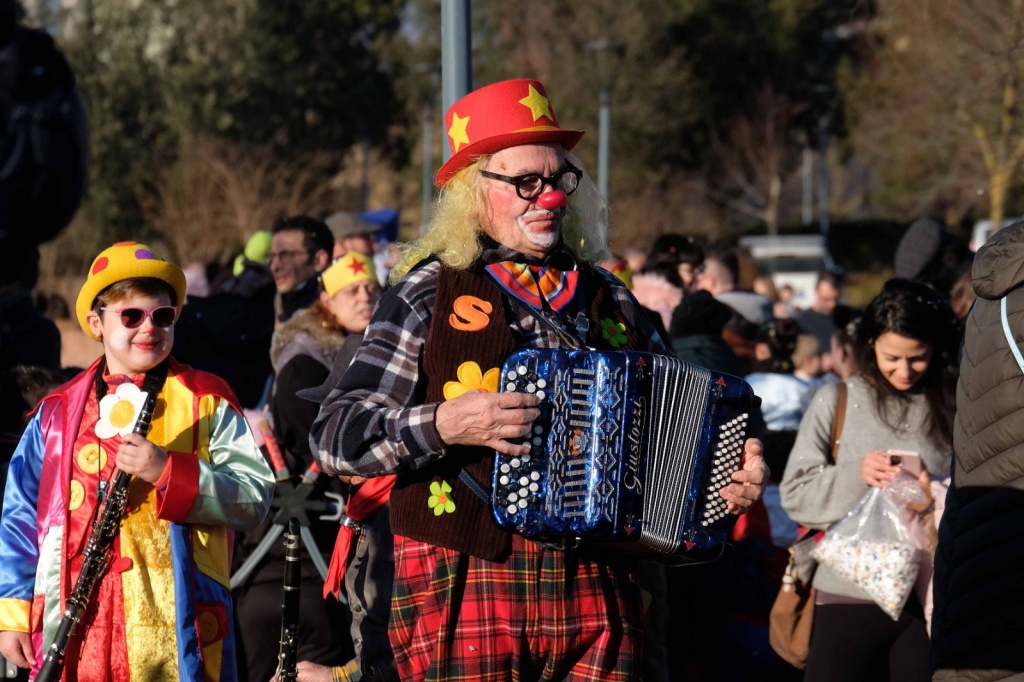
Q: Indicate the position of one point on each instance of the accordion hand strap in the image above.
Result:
(477, 488)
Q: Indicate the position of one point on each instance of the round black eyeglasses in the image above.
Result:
(531, 185)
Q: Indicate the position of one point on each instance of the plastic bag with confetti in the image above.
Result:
(873, 548)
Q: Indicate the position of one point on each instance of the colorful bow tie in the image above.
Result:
(534, 284)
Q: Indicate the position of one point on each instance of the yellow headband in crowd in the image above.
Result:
(350, 268)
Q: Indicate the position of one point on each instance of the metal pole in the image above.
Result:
(807, 208)
(456, 64)
(602, 142)
(823, 186)
(364, 190)
(428, 158)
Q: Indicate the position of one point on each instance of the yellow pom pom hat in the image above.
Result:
(126, 260)
(350, 268)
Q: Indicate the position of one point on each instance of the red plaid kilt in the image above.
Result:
(540, 615)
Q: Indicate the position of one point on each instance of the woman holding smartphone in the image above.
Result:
(901, 401)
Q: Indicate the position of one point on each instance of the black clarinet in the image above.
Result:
(96, 560)
(287, 656)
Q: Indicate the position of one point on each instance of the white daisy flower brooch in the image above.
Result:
(120, 411)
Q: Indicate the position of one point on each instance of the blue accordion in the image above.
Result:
(630, 451)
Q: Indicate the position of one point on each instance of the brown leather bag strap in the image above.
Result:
(838, 418)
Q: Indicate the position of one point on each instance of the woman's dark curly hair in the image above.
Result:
(916, 311)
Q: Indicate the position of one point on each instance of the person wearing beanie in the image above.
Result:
(696, 333)
(351, 233)
(162, 610)
(257, 250)
(514, 232)
(668, 274)
(303, 352)
(929, 253)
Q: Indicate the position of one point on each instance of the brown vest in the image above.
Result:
(469, 324)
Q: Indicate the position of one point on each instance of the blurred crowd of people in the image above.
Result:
(292, 306)
(283, 321)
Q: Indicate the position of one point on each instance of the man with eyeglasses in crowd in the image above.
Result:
(420, 400)
(300, 249)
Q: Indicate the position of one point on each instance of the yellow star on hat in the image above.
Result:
(537, 103)
(351, 268)
(457, 131)
(502, 118)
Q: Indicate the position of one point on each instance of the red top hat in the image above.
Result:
(495, 117)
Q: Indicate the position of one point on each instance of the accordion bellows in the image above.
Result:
(630, 451)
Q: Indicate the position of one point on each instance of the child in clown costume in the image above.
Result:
(162, 610)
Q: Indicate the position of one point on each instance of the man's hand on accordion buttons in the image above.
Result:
(748, 483)
(487, 419)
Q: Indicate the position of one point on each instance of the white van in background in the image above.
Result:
(982, 231)
(795, 260)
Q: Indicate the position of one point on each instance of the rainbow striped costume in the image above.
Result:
(163, 609)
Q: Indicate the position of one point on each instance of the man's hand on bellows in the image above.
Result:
(487, 419)
(749, 482)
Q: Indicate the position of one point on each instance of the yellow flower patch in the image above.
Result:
(472, 378)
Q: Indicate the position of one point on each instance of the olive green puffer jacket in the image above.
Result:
(978, 625)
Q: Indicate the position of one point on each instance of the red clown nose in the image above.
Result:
(552, 200)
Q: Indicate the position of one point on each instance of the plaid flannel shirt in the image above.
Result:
(374, 422)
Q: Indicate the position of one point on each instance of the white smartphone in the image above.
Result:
(909, 461)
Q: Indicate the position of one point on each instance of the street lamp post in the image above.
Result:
(456, 53)
(607, 56)
(604, 130)
(429, 88)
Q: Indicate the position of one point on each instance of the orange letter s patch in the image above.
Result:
(471, 314)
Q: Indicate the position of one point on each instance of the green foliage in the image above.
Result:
(736, 48)
(297, 76)
(316, 82)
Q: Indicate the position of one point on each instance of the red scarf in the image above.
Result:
(367, 498)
